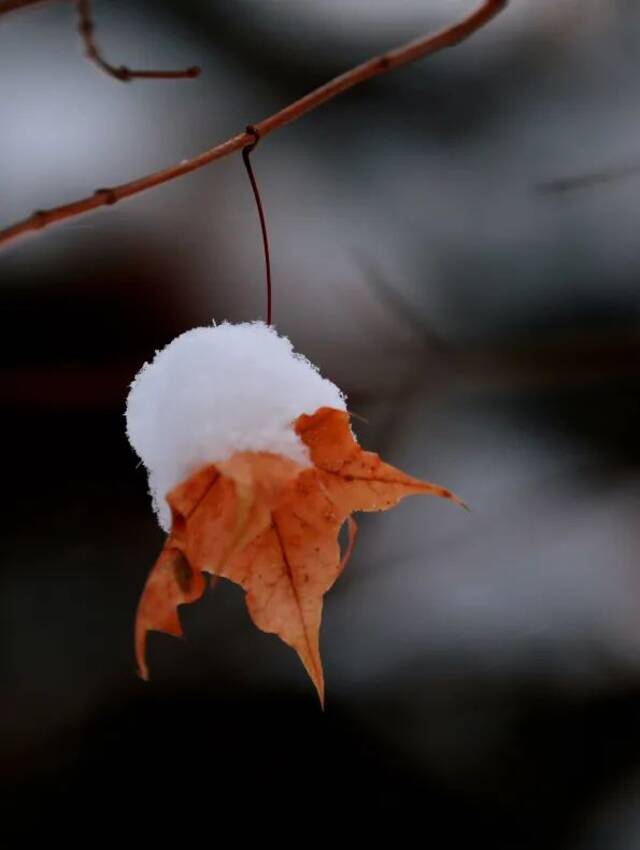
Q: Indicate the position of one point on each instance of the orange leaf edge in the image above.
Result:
(284, 594)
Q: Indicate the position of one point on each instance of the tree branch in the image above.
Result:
(407, 53)
(122, 73)
(589, 179)
(7, 6)
(92, 51)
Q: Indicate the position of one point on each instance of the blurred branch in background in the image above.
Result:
(404, 55)
(7, 6)
(92, 52)
(122, 73)
(568, 360)
(588, 179)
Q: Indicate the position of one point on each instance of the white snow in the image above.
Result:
(218, 390)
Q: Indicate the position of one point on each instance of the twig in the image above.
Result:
(411, 52)
(92, 52)
(587, 180)
(122, 73)
(7, 6)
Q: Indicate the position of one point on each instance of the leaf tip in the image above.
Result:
(461, 504)
(141, 652)
(447, 494)
(143, 670)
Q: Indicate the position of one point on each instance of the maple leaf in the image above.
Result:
(271, 526)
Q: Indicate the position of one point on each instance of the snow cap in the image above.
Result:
(218, 390)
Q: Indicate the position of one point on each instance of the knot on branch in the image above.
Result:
(123, 73)
(40, 218)
(108, 194)
(252, 130)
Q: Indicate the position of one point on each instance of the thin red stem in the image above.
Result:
(246, 153)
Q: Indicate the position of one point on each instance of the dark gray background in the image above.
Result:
(483, 670)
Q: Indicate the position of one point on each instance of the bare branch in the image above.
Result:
(92, 52)
(122, 73)
(589, 179)
(411, 52)
(7, 6)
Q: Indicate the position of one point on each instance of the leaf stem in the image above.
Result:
(246, 153)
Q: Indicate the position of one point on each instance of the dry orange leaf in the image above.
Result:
(272, 526)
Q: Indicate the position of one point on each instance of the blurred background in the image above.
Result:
(455, 245)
